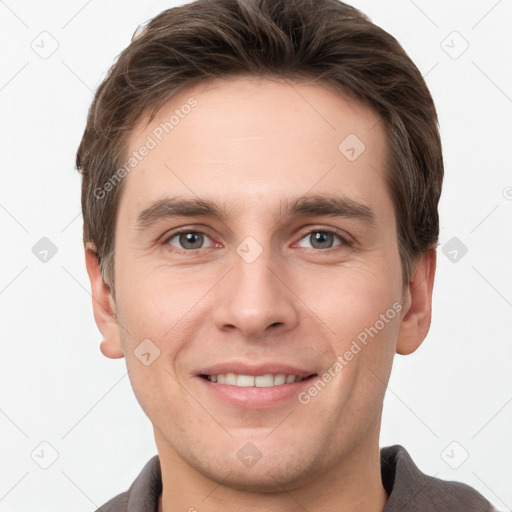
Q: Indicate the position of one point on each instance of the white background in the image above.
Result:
(56, 385)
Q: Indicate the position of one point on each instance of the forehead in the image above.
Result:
(247, 139)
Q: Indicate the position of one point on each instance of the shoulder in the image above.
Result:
(117, 504)
(410, 489)
(143, 494)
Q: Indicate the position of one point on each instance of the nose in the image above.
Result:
(255, 299)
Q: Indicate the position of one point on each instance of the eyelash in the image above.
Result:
(344, 240)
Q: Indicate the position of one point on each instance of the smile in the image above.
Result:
(259, 381)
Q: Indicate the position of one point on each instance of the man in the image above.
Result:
(260, 191)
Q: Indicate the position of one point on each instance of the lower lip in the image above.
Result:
(253, 397)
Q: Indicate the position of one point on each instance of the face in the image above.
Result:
(258, 280)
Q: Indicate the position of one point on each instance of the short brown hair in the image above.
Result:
(322, 40)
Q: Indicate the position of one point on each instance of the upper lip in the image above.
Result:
(241, 368)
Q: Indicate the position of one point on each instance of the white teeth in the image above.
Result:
(264, 381)
(230, 379)
(245, 381)
(279, 379)
(260, 381)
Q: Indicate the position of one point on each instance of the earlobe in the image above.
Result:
(417, 312)
(103, 307)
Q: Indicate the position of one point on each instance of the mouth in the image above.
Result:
(246, 385)
(259, 381)
(256, 392)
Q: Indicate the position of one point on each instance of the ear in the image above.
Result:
(104, 307)
(417, 304)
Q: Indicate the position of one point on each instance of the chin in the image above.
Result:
(270, 474)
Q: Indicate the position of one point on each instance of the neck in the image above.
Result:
(354, 484)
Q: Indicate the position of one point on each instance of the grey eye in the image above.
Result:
(321, 239)
(190, 240)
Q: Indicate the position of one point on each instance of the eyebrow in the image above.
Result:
(318, 204)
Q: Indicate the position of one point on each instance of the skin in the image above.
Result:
(250, 143)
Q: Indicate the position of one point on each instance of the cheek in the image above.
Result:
(360, 309)
(352, 298)
(144, 313)
(362, 312)
(155, 301)
(158, 310)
